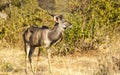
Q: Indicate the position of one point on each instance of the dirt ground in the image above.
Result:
(105, 61)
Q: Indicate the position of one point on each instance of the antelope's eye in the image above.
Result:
(65, 28)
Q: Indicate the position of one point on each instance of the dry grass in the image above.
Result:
(12, 63)
(105, 61)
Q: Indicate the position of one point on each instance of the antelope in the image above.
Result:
(43, 37)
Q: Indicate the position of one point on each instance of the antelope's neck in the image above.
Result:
(55, 34)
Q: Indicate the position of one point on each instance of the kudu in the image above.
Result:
(43, 37)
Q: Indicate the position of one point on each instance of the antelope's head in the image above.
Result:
(61, 21)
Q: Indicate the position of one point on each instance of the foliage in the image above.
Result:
(93, 20)
(21, 17)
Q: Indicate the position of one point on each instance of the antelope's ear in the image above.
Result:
(55, 19)
(58, 18)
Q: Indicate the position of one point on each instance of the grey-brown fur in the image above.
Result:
(42, 36)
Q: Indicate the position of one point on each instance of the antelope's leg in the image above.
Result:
(49, 62)
(38, 58)
(29, 56)
(27, 49)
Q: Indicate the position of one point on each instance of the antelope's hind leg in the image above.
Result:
(38, 59)
(32, 48)
(27, 49)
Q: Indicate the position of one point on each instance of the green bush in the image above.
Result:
(92, 20)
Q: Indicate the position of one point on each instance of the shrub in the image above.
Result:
(92, 20)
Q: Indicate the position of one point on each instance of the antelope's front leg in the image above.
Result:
(49, 62)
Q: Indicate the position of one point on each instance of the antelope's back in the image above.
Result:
(36, 36)
(28, 33)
